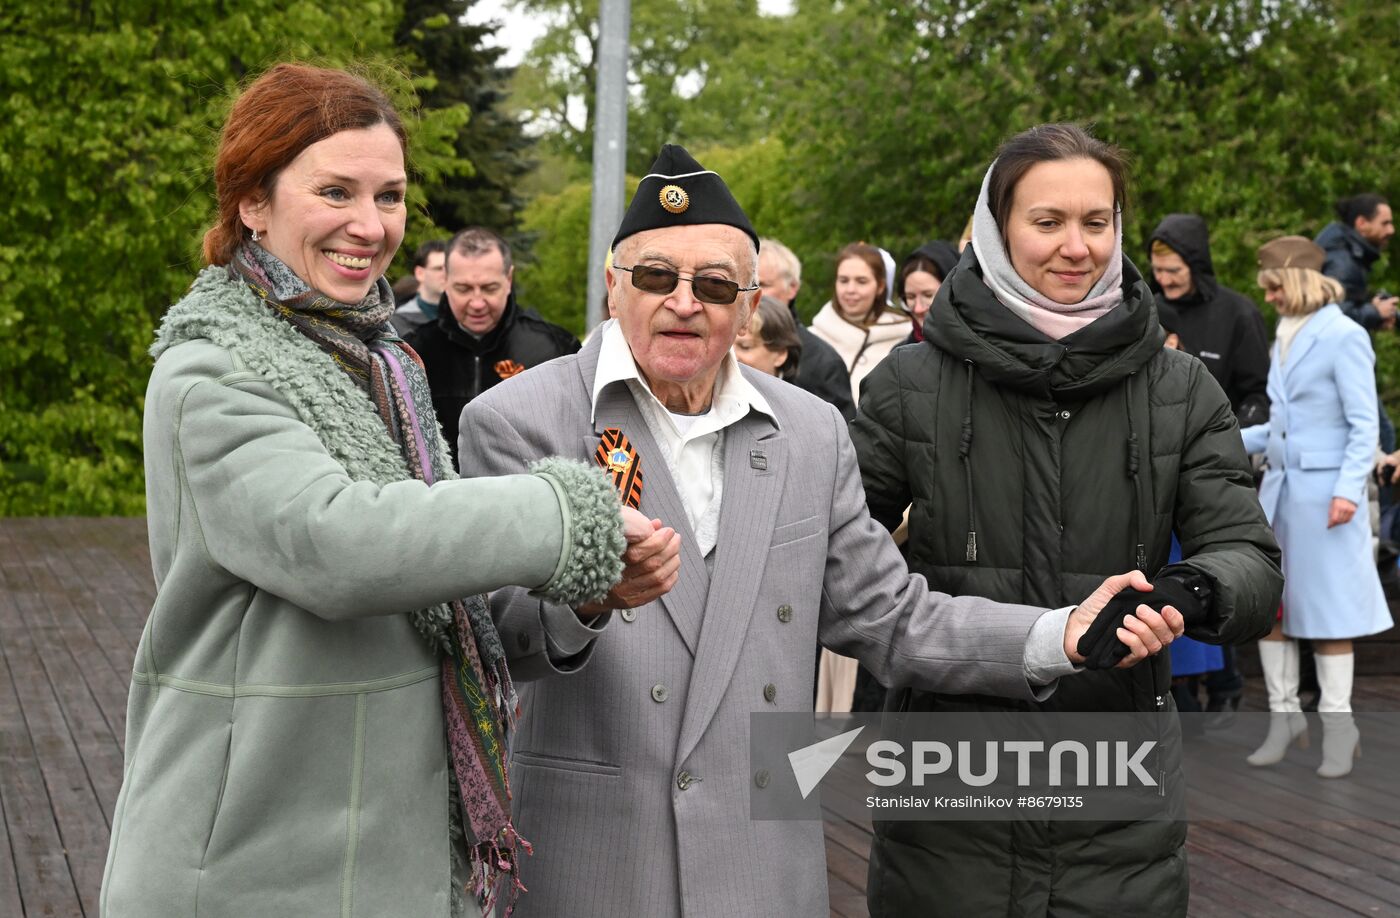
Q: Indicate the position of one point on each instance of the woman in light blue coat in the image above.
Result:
(1321, 442)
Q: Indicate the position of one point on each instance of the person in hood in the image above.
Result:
(858, 320)
(1044, 435)
(919, 278)
(1222, 328)
(1225, 331)
(483, 336)
(1353, 242)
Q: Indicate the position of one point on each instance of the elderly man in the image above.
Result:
(630, 766)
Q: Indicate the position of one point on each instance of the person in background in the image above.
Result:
(1221, 328)
(320, 704)
(1320, 441)
(916, 285)
(429, 274)
(1353, 243)
(863, 328)
(483, 335)
(822, 374)
(405, 289)
(1225, 331)
(858, 320)
(770, 344)
(1044, 436)
(920, 276)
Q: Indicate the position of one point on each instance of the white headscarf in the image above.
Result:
(1054, 320)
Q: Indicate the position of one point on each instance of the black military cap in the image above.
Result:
(680, 192)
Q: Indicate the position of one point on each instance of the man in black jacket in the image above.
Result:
(1225, 331)
(1221, 328)
(1353, 243)
(822, 371)
(482, 336)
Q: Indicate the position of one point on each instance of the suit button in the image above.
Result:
(659, 693)
(1064, 415)
(770, 691)
(523, 640)
(761, 777)
(629, 615)
(685, 779)
(784, 614)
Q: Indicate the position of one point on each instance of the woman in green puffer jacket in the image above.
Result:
(1045, 438)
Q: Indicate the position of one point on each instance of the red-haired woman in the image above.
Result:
(316, 654)
(858, 320)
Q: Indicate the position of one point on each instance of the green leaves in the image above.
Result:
(109, 119)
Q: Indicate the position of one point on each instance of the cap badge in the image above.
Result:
(674, 199)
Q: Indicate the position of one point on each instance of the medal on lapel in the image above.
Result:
(616, 456)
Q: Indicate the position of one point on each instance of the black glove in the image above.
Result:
(1188, 591)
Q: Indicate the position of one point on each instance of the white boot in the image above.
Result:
(1340, 738)
(1286, 721)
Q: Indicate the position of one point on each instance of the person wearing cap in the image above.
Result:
(631, 774)
(1320, 441)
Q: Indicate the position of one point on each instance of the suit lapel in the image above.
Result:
(750, 504)
(660, 500)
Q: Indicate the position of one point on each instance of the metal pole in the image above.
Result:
(609, 146)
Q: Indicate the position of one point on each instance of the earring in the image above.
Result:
(255, 235)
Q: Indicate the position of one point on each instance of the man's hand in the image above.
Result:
(651, 565)
(1144, 633)
(1341, 512)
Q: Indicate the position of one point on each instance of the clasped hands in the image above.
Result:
(1127, 619)
(650, 565)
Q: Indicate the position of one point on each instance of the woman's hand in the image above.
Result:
(1341, 512)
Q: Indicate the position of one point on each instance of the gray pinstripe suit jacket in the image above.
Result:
(596, 758)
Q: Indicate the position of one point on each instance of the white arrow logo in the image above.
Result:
(811, 763)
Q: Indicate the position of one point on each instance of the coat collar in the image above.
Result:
(1308, 335)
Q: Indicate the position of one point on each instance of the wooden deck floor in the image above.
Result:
(74, 594)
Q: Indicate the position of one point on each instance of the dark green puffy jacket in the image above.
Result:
(1035, 469)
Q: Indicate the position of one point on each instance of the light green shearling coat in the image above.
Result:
(285, 752)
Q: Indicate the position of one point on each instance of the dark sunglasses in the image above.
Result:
(715, 290)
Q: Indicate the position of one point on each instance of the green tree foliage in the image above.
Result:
(109, 116)
(460, 69)
(1257, 115)
(698, 74)
(554, 279)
